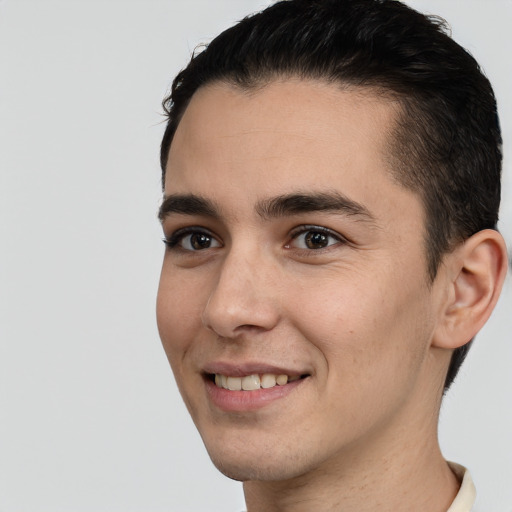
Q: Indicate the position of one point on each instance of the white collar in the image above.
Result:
(465, 498)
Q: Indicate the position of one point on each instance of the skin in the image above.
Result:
(359, 316)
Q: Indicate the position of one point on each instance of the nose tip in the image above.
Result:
(230, 322)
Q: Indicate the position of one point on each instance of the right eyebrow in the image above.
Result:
(187, 204)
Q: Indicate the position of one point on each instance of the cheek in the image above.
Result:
(178, 315)
(179, 319)
(367, 331)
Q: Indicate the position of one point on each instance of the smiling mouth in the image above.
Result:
(253, 382)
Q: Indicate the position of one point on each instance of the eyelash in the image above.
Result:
(303, 230)
(173, 241)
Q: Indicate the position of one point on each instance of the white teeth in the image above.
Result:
(234, 383)
(253, 382)
(268, 380)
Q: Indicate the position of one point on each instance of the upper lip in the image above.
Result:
(249, 368)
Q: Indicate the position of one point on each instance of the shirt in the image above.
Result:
(465, 498)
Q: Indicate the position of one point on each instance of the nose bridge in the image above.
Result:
(244, 295)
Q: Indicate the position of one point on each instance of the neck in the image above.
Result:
(411, 478)
(398, 469)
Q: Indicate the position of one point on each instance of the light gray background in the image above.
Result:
(90, 419)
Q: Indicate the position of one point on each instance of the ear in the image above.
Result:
(474, 274)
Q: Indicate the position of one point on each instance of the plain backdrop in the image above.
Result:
(90, 419)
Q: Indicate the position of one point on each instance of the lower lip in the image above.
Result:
(240, 401)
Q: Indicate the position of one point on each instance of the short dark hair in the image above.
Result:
(446, 145)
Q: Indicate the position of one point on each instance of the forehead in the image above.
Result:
(284, 137)
(306, 117)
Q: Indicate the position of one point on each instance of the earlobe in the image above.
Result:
(476, 271)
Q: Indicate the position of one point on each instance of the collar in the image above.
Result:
(465, 498)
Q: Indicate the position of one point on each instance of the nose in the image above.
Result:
(244, 298)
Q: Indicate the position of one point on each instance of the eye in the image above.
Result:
(314, 238)
(191, 240)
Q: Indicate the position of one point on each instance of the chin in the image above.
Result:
(267, 465)
(250, 471)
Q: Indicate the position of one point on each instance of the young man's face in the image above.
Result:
(294, 253)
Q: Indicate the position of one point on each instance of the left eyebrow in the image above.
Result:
(295, 204)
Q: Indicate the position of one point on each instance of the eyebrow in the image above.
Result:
(285, 205)
(187, 204)
(295, 204)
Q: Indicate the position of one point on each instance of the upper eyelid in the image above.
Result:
(180, 233)
(192, 229)
(312, 227)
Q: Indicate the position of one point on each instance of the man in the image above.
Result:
(331, 175)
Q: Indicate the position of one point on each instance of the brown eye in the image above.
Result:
(315, 240)
(199, 241)
(191, 240)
